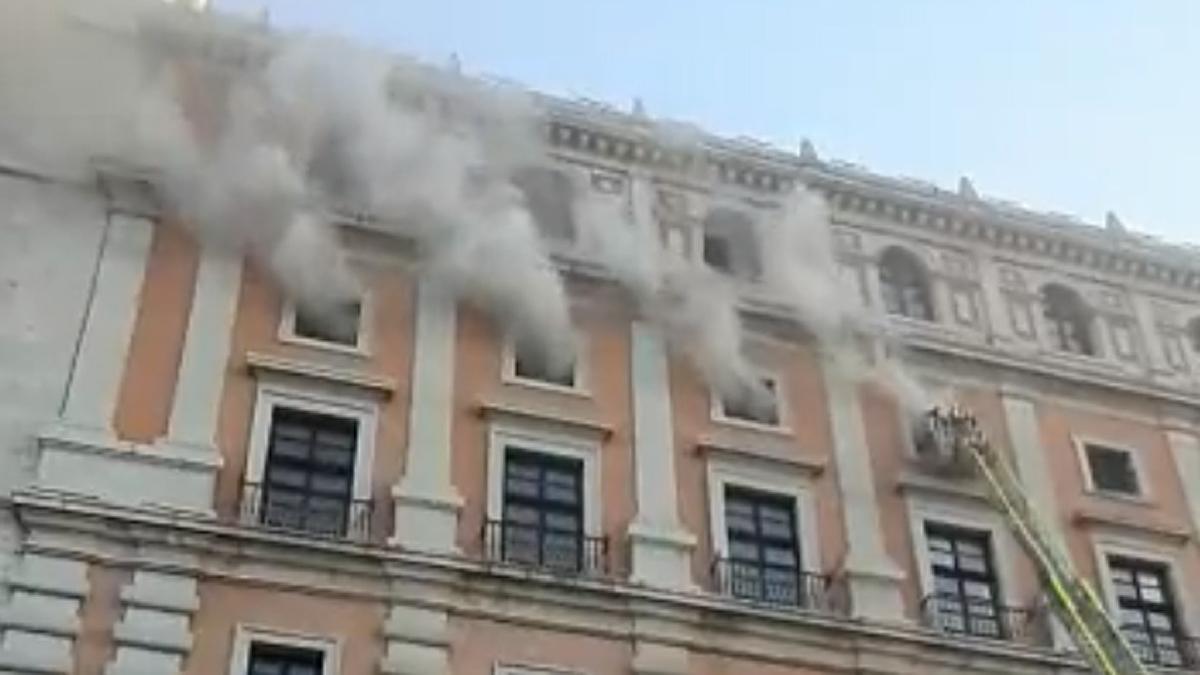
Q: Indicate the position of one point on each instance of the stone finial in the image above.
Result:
(639, 108)
(1113, 224)
(808, 153)
(966, 189)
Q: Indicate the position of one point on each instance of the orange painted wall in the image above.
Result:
(810, 434)
(256, 329)
(152, 363)
(477, 378)
(101, 609)
(224, 605)
(477, 645)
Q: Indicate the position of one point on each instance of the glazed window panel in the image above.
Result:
(272, 659)
(337, 325)
(964, 581)
(309, 471)
(1112, 469)
(1149, 617)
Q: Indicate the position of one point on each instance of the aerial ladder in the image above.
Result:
(954, 434)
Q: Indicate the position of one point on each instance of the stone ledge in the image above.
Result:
(357, 379)
(93, 463)
(523, 413)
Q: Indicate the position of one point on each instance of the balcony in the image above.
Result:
(1166, 650)
(300, 512)
(778, 585)
(979, 618)
(566, 552)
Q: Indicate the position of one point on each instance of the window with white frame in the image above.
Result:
(1147, 612)
(964, 580)
(764, 532)
(1111, 469)
(529, 363)
(543, 501)
(309, 461)
(758, 404)
(263, 651)
(337, 325)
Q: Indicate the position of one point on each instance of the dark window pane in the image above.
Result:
(337, 325)
(307, 478)
(543, 513)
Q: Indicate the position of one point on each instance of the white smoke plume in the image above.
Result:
(260, 139)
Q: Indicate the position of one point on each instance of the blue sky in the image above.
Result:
(1078, 106)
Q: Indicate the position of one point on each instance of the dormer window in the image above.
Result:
(1068, 320)
(730, 245)
(905, 285)
(549, 196)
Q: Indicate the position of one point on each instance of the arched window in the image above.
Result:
(905, 285)
(549, 196)
(730, 244)
(1068, 319)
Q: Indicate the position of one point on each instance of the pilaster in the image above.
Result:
(418, 641)
(661, 547)
(426, 504)
(1184, 441)
(205, 359)
(39, 621)
(994, 305)
(873, 577)
(91, 396)
(154, 635)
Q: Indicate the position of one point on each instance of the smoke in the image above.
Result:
(257, 138)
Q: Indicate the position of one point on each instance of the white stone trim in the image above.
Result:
(1185, 451)
(770, 477)
(317, 399)
(502, 668)
(154, 632)
(782, 410)
(1105, 544)
(246, 635)
(582, 373)
(426, 503)
(110, 317)
(967, 515)
(1144, 492)
(205, 359)
(39, 621)
(874, 578)
(363, 342)
(1029, 457)
(541, 439)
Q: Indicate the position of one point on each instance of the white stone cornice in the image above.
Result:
(356, 379)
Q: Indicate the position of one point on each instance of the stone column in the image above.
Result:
(1155, 359)
(1184, 441)
(205, 360)
(874, 578)
(995, 309)
(40, 621)
(154, 634)
(95, 381)
(1029, 459)
(661, 547)
(426, 503)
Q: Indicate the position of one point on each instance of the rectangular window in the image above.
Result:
(272, 659)
(964, 582)
(760, 407)
(1146, 611)
(531, 363)
(763, 560)
(542, 521)
(718, 253)
(337, 325)
(309, 472)
(1111, 469)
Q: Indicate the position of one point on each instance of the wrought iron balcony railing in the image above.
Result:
(778, 585)
(301, 512)
(562, 551)
(981, 618)
(1165, 648)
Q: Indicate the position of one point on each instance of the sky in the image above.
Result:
(1074, 106)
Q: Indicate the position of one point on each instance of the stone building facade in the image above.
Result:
(198, 479)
